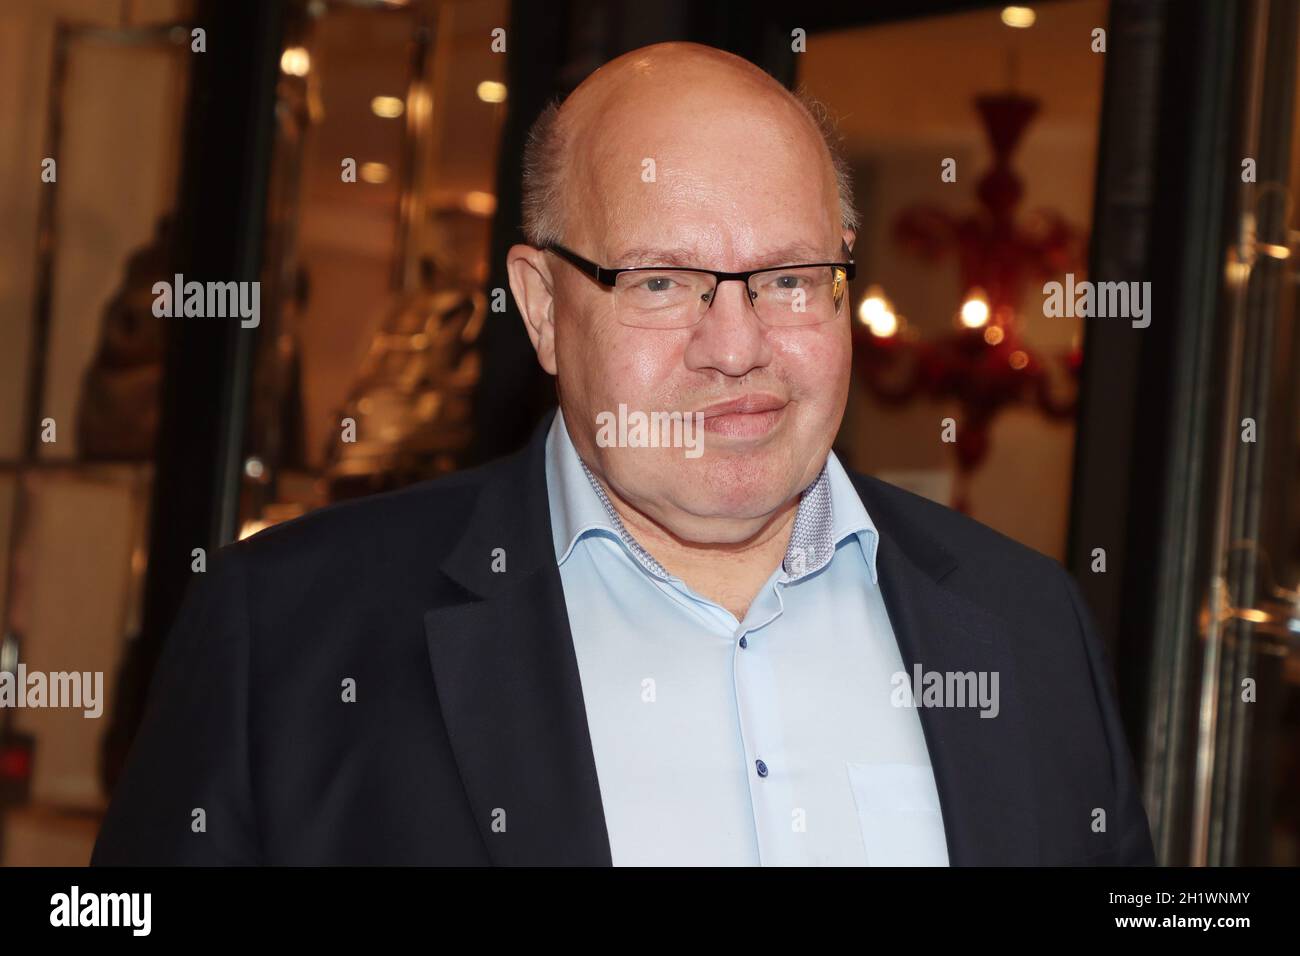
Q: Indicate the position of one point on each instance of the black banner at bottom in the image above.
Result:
(333, 904)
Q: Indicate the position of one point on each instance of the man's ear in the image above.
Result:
(850, 237)
(532, 285)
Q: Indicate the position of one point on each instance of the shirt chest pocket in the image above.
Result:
(898, 812)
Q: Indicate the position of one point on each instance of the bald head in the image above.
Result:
(656, 89)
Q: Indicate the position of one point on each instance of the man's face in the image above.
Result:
(734, 187)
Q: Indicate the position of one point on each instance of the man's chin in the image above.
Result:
(715, 499)
(726, 514)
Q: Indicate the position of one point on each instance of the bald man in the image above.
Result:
(674, 629)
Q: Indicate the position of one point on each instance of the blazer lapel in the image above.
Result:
(981, 764)
(508, 683)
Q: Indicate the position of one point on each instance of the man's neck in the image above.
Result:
(728, 573)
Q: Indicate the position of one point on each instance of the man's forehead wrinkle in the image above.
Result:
(723, 224)
(688, 144)
(667, 254)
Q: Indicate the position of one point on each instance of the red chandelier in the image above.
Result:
(983, 364)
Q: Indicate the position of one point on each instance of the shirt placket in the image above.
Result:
(767, 762)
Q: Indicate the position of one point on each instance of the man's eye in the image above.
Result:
(654, 284)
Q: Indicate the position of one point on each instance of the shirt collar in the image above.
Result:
(575, 509)
(829, 512)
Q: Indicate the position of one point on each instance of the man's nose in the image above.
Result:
(730, 337)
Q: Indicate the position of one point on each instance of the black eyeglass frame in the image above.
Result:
(608, 277)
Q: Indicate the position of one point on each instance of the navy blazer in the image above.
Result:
(468, 700)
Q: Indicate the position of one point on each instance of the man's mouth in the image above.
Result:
(750, 416)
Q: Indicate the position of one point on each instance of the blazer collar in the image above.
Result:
(926, 553)
(512, 514)
(507, 680)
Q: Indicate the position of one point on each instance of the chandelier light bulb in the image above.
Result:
(883, 325)
(873, 306)
(975, 310)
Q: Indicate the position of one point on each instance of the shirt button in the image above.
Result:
(744, 642)
(762, 768)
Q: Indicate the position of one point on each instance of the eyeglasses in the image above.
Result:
(672, 297)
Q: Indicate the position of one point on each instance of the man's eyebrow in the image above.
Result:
(791, 254)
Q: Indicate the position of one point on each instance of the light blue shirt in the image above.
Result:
(770, 741)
